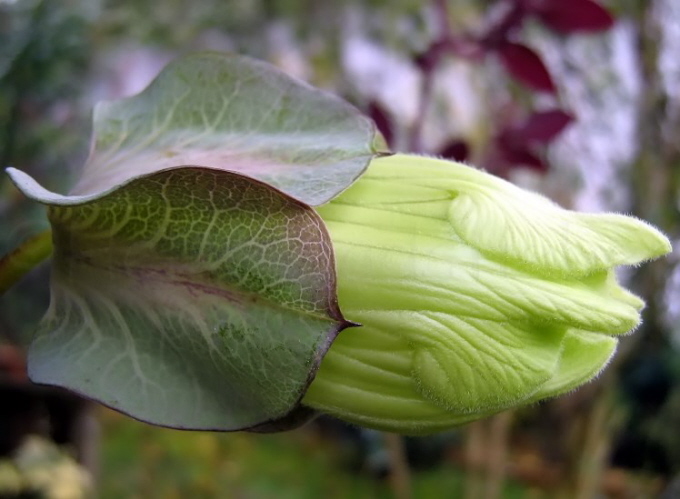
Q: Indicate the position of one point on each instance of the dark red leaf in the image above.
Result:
(456, 150)
(526, 66)
(573, 16)
(381, 120)
(524, 157)
(428, 59)
(543, 126)
(425, 61)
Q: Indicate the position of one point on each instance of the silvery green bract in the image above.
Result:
(193, 285)
(474, 295)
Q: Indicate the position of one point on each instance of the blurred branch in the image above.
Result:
(594, 446)
(655, 175)
(497, 454)
(474, 460)
(486, 456)
(400, 474)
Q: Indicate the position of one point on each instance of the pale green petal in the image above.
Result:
(385, 196)
(522, 228)
(475, 296)
(584, 356)
(405, 225)
(519, 227)
(376, 192)
(367, 381)
(472, 365)
(458, 281)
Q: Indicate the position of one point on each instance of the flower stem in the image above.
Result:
(16, 264)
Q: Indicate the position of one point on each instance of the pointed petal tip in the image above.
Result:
(584, 356)
(633, 240)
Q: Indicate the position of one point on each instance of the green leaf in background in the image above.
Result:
(192, 298)
(237, 114)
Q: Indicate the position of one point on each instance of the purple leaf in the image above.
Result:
(382, 121)
(524, 157)
(526, 66)
(428, 59)
(455, 149)
(542, 127)
(573, 16)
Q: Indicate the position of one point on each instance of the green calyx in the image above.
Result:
(193, 285)
(474, 295)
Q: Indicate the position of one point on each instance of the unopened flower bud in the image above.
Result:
(474, 295)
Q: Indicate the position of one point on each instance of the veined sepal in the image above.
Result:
(192, 298)
(193, 286)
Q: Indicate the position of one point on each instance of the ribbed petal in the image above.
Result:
(367, 381)
(584, 356)
(475, 295)
(418, 273)
(520, 227)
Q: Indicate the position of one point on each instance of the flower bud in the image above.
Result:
(474, 295)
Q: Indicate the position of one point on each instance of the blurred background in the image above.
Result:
(579, 100)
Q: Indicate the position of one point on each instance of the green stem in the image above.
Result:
(14, 265)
